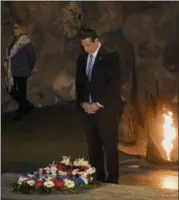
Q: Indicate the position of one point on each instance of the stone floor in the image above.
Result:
(104, 192)
(49, 133)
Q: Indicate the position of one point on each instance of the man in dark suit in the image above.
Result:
(19, 63)
(99, 97)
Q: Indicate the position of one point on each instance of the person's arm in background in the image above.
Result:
(31, 55)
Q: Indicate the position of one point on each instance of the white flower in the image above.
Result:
(48, 184)
(83, 174)
(75, 172)
(49, 178)
(66, 160)
(68, 183)
(22, 179)
(91, 170)
(62, 173)
(85, 180)
(31, 182)
(81, 162)
(53, 173)
(53, 168)
(30, 175)
(47, 169)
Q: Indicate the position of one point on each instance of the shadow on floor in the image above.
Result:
(43, 136)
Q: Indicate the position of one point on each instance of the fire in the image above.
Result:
(169, 134)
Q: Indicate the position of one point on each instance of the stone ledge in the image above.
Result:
(106, 192)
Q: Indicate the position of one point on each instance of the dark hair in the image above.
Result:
(88, 33)
(18, 22)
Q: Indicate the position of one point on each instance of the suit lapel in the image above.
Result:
(84, 65)
(97, 62)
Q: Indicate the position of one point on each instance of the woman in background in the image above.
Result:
(19, 63)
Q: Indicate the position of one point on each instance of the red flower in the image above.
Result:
(69, 172)
(58, 184)
(85, 168)
(57, 173)
(60, 166)
(38, 184)
(44, 171)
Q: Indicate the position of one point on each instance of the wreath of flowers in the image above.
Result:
(60, 176)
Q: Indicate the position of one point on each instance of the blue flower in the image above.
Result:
(37, 175)
(79, 181)
(25, 174)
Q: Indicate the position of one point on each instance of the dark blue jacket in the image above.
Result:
(23, 62)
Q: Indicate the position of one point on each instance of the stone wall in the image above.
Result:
(144, 33)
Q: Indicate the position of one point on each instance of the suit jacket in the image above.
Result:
(22, 63)
(104, 86)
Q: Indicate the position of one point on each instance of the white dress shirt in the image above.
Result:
(94, 58)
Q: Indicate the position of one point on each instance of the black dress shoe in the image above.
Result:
(29, 108)
(101, 178)
(18, 117)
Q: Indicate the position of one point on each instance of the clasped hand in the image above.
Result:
(90, 108)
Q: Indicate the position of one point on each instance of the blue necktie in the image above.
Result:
(89, 72)
(90, 67)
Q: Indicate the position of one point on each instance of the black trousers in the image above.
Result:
(102, 138)
(19, 92)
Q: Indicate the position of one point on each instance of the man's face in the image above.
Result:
(17, 30)
(89, 45)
